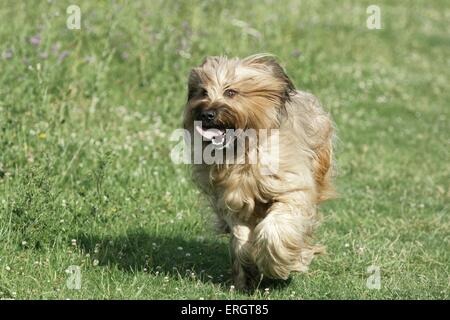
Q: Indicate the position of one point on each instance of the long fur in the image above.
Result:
(270, 217)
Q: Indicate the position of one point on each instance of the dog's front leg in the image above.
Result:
(244, 270)
(280, 240)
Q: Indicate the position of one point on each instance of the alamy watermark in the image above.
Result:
(374, 280)
(374, 19)
(73, 281)
(73, 21)
(213, 146)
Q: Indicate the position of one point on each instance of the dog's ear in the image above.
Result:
(268, 61)
(194, 81)
(210, 59)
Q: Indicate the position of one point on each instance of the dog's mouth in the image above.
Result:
(219, 137)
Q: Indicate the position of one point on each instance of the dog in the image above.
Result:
(269, 214)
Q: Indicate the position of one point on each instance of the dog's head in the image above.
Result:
(236, 93)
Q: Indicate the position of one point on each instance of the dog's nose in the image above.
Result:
(208, 116)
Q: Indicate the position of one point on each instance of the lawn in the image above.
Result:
(86, 177)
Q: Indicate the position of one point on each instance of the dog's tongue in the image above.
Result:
(209, 134)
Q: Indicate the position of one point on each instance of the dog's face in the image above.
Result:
(236, 93)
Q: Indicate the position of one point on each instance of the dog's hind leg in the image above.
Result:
(244, 270)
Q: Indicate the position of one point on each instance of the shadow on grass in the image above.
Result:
(138, 251)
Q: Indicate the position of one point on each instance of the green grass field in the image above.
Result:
(85, 173)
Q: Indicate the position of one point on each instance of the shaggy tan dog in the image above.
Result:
(269, 210)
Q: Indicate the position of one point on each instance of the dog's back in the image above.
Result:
(308, 119)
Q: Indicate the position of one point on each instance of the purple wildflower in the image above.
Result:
(296, 53)
(63, 55)
(35, 40)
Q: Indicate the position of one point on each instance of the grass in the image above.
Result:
(85, 173)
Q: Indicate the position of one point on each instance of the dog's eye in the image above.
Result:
(203, 92)
(230, 93)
